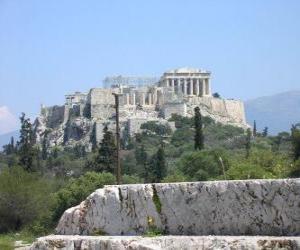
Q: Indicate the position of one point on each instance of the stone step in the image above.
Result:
(71, 242)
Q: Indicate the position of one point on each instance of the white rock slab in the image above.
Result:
(252, 207)
(64, 242)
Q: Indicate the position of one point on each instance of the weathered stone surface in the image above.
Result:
(252, 207)
(165, 242)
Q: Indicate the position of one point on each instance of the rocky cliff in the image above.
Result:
(252, 207)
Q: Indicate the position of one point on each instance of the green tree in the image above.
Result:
(254, 129)
(248, 142)
(27, 152)
(242, 171)
(10, 147)
(106, 157)
(265, 132)
(77, 190)
(45, 145)
(158, 165)
(295, 137)
(203, 165)
(24, 198)
(199, 137)
(216, 95)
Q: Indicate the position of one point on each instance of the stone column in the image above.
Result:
(173, 84)
(149, 99)
(191, 87)
(167, 82)
(208, 91)
(133, 99)
(127, 99)
(197, 87)
(184, 88)
(155, 97)
(203, 87)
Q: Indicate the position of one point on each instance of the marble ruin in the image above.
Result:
(143, 99)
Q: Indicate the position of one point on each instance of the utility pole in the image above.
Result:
(118, 167)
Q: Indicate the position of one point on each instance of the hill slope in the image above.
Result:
(277, 112)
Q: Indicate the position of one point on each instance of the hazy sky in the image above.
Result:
(51, 48)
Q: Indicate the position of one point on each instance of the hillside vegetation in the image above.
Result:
(37, 184)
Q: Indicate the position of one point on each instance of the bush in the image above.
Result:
(203, 165)
(247, 171)
(78, 189)
(24, 198)
(159, 129)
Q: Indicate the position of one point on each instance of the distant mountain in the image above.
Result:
(5, 138)
(277, 112)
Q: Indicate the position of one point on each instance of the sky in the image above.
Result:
(54, 47)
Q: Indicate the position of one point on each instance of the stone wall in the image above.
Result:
(226, 111)
(252, 207)
(101, 102)
(174, 108)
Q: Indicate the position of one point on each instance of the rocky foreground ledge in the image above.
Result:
(55, 242)
(252, 207)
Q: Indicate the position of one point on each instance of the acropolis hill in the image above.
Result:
(179, 91)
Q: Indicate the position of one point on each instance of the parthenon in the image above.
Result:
(189, 81)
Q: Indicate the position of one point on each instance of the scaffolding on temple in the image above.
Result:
(134, 81)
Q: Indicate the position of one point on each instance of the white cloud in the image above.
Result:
(8, 121)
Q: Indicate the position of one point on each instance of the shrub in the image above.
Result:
(24, 198)
(203, 165)
(78, 189)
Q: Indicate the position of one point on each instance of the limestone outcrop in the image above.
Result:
(53, 242)
(251, 207)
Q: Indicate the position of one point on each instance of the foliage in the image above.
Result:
(216, 95)
(26, 149)
(198, 137)
(131, 179)
(248, 142)
(24, 198)
(78, 189)
(295, 137)
(10, 147)
(175, 177)
(203, 165)
(265, 132)
(159, 129)
(295, 169)
(254, 129)
(247, 171)
(106, 157)
(156, 200)
(158, 165)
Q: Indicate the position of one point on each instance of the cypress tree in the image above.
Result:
(199, 138)
(105, 160)
(254, 129)
(45, 145)
(26, 150)
(159, 166)
(265, 132)
(248, 142)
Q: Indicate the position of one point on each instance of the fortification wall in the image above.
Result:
(251, 207)
(101, 103)
(226, 111)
